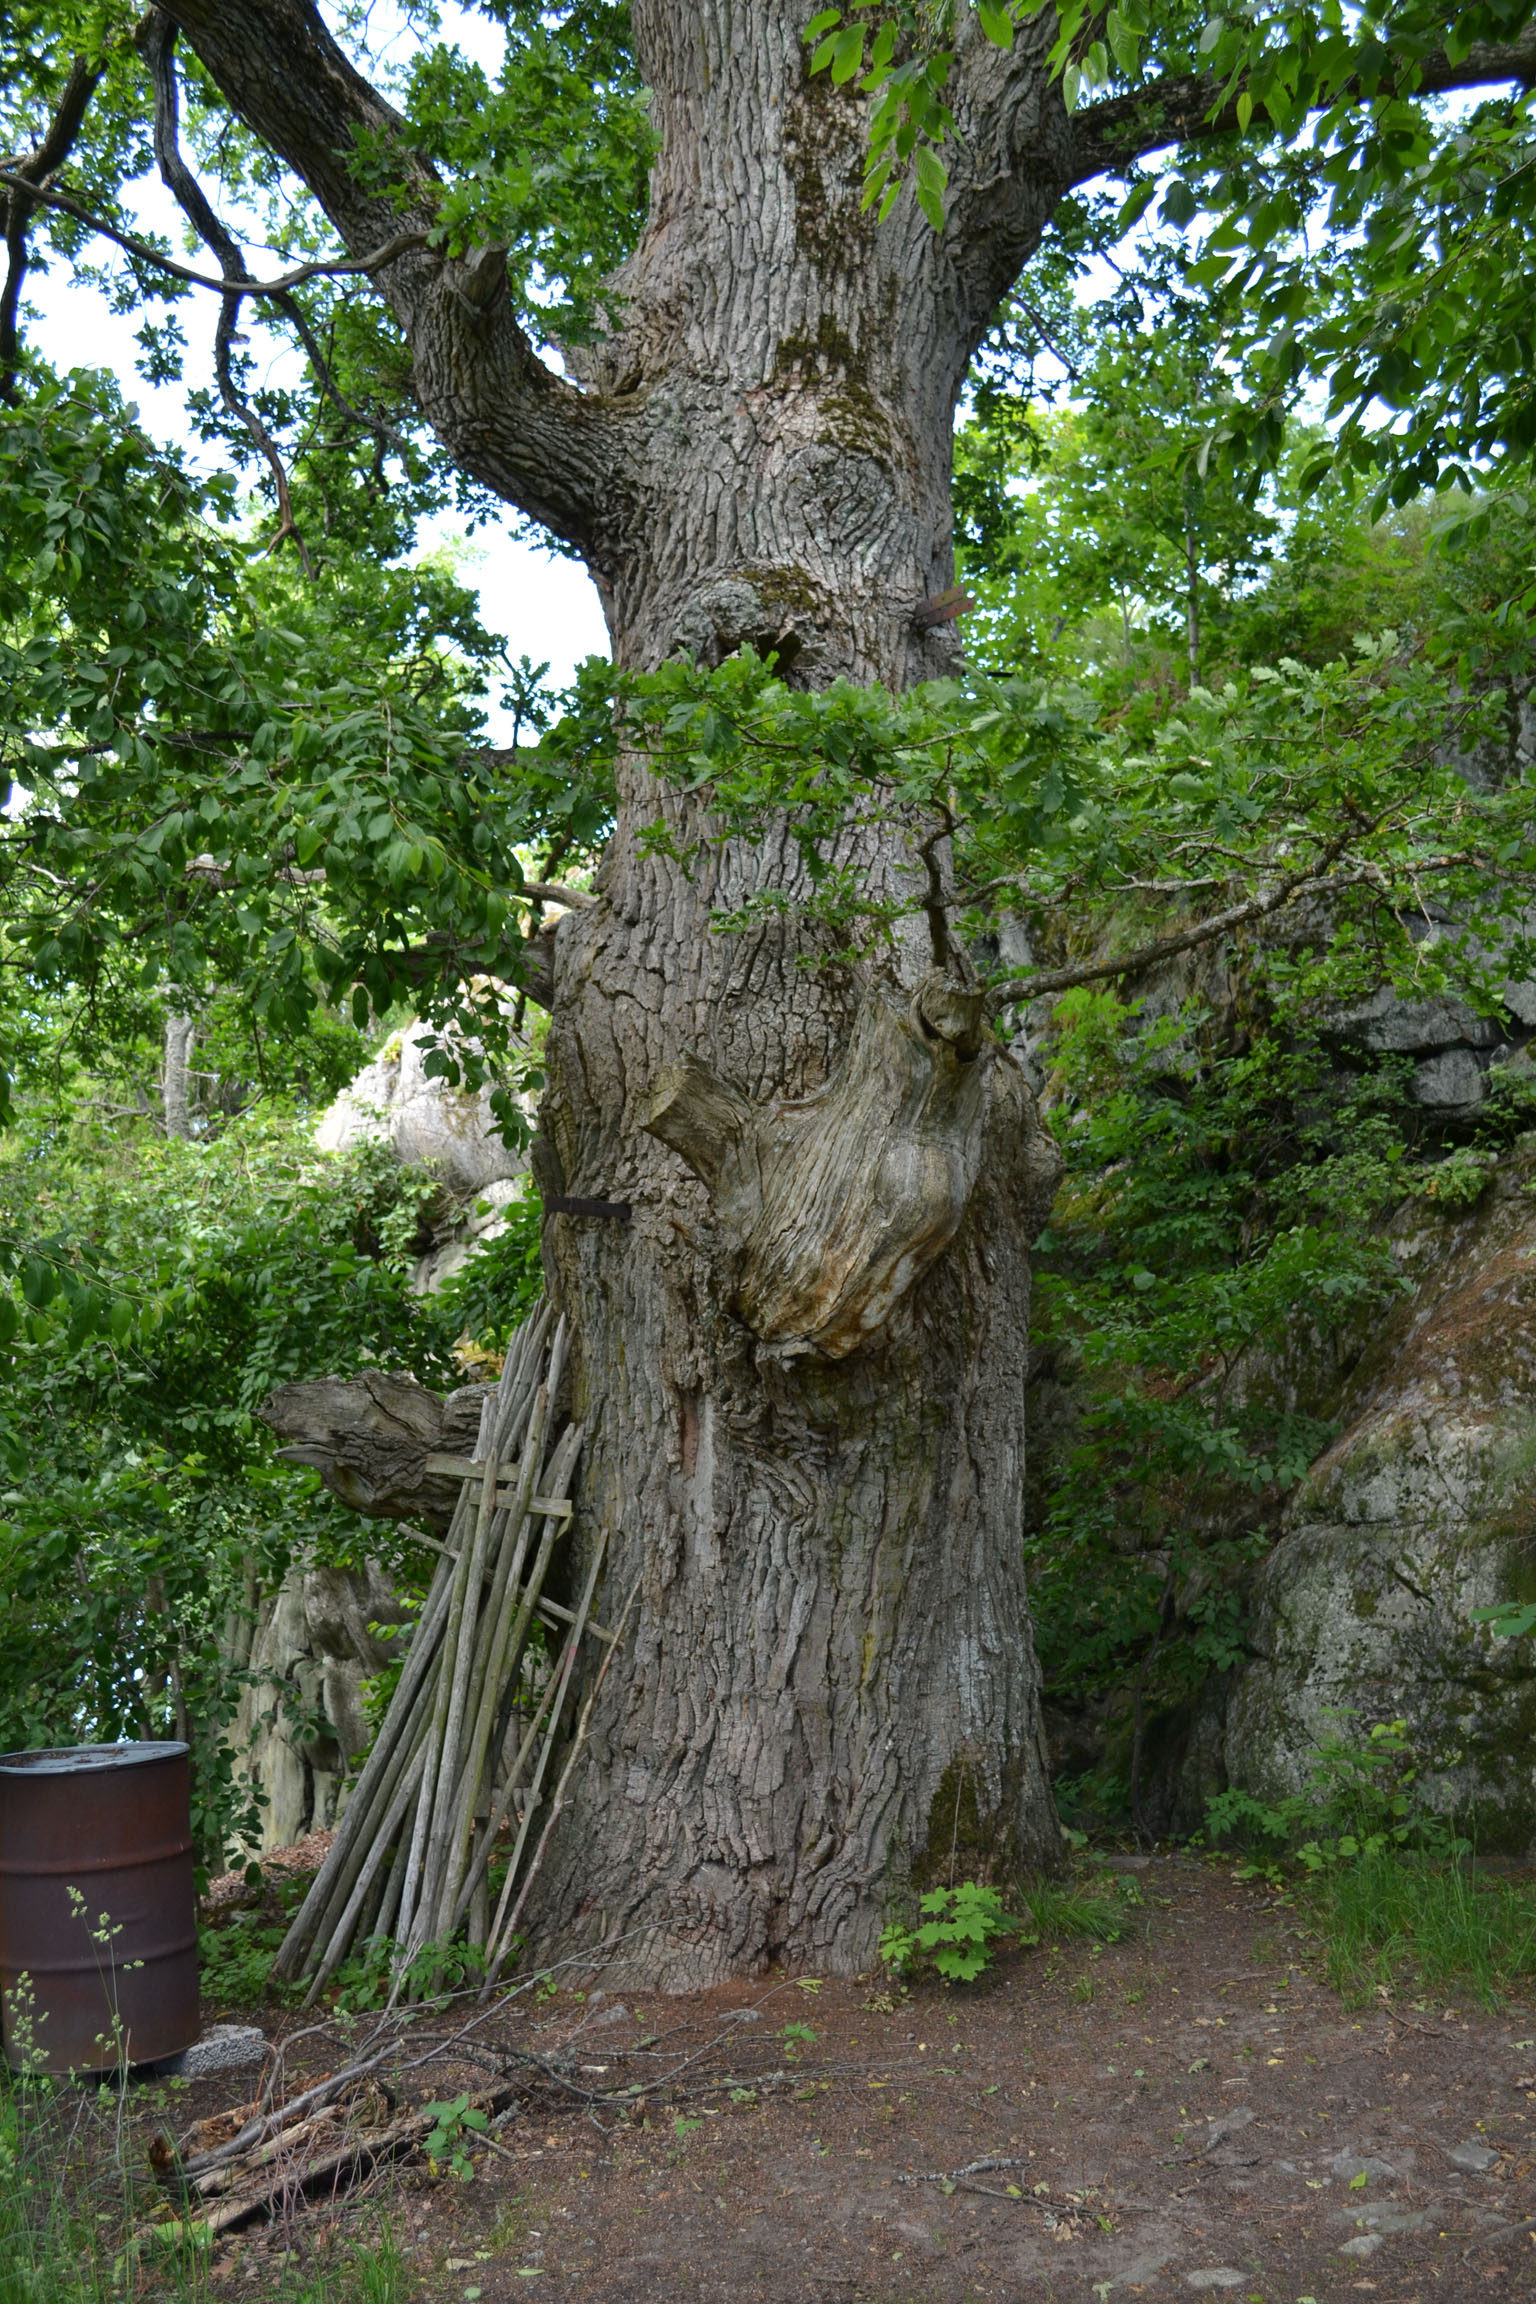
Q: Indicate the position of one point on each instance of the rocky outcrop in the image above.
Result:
(1423, 1510)
(301, 1720)
(1420, 1512)
(1453, 1048)
(427, 1123)
(470, 1176)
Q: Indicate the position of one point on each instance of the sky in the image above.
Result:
(545, 604)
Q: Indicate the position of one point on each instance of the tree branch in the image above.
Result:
(1107, 137)
(554, 892)
(160, 55)
(1290, 890)
(49, 196)
(27, 189)
(502, 415)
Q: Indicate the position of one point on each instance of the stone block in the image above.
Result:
(1451, 1081)
(222, 2048)
(1388, 1025)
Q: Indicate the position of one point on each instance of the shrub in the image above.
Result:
(955, 1935)
(1388, 1884)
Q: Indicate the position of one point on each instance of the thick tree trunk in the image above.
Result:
(802, 1362)
(829, 1692)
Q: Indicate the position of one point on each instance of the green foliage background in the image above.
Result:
(143, 1514)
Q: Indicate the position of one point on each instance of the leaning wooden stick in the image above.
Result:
(411, 1856)
(504, 1931)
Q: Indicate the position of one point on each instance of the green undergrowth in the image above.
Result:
(958, 1931)
(1390, 1887)
(1393, 1922)
(1091, 1908)
(236, 1951)
(81, 2222)
(234, 1958)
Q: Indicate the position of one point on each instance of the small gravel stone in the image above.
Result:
(1348, 2165)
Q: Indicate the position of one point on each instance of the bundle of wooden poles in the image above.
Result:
(477, 1715)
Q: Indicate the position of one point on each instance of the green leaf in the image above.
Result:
(1135, 204)
(847, 54)
(931, 177)
(1510, 1620)
(1123, 42)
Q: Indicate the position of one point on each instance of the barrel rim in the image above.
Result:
(87, 1759)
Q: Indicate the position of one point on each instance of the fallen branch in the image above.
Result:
(259, 2130)
(959, 2180)
(355, 2157)
(320, 2139)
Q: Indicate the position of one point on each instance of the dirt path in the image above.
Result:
(1187, 2111)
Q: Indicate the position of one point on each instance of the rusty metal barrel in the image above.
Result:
(98, 1920)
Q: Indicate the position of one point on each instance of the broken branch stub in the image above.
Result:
(372, 1439)
(835, 1203)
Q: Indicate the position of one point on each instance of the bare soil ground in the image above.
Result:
(1189, 2110)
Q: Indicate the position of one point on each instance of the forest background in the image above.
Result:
(1236, 629)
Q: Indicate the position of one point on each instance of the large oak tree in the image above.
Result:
(801, 1360)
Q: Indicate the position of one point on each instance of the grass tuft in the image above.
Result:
(1080, 1908)
(1390, 1921)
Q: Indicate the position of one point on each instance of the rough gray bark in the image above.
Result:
(830, 1692)
(180, 1032)
(802, 1363)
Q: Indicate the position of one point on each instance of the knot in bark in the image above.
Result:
(835, 1203)
(952, 1012)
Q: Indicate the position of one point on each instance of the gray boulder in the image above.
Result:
(1453, 1081)
(1388, 1025)
(429, 1124)
(1421, 1512)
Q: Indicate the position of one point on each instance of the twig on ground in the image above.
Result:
(960, 2180)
